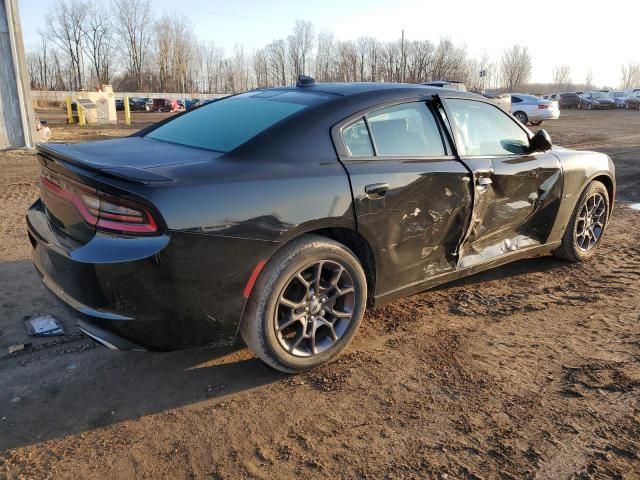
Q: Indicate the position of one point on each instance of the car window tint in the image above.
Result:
(405, 130)
(228, 123)
(515, 99)
(356, 139)
(482, 129)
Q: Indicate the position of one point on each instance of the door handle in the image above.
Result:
(376, 190)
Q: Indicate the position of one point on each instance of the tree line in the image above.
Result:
(124, 43)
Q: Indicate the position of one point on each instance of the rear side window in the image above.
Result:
(228, 123)
(485, 130)
(405, 130)
(356, 139)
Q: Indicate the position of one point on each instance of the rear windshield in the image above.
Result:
(228, 123)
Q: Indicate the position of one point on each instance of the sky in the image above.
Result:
(583, 34)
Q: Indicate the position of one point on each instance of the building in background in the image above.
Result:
(17, 119)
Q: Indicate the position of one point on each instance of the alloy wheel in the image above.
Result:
(314, 309)
(591, 222)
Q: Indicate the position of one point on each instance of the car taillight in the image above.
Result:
(542, 106)
(104, 211)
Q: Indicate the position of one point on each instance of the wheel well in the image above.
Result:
(608, 183)
(360, 247)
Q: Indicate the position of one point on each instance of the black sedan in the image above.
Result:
(278, 215)
(596, 100)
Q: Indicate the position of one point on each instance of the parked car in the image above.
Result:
(450, 84)
(620, 98)
(503, 100)
(196, 103)
(532, 109)
(280, 214)
(141, 104)
(119, 105)
(596, 100)
(569, 100)
(633, 101)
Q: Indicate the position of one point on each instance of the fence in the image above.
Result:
(51, 96)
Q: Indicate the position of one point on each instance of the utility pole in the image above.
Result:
(17, 119)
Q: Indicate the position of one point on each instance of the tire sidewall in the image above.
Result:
(274, 279)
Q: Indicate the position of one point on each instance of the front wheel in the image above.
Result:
(588, 222)
(306, 305)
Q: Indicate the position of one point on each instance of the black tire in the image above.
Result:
(265, 312)
(590, 106)
(522, 117)
(535, 124)
(570, 248)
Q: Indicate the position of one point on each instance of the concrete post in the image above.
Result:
(17, 119)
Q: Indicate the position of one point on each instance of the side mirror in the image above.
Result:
(541, 141)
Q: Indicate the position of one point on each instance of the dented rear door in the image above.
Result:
(412, 197)
(516, 193)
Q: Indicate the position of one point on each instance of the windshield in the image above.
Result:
(228, 123)
(599, 95)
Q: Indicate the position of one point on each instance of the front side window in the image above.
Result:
(484, 130)
(405, 130)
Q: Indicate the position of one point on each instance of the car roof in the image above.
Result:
(355, 88)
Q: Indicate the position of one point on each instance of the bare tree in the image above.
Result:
(261, 68)
(325, 57)
(630, 75)
(299, 44)
(515, 67)
(561, 76)
(99, 44)
(276, 53)
(588, 80)
(448, 62)
(64, 28)
(134, 24)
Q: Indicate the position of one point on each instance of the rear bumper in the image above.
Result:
(544, 114)
(157, 293)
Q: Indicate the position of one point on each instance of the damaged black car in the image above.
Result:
(278, 215)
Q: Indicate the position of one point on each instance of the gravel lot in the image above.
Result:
(529, 370)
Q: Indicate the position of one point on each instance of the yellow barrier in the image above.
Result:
(81, 119)
(127, 111)
(69, 111)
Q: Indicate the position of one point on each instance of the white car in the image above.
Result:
(532, 109)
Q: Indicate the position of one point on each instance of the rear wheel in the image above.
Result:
(522, 117)
(588, 222)
(535, 124)
(306, 305)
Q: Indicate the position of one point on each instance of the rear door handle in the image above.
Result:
(376, 190)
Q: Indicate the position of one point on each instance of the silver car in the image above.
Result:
(532, 109)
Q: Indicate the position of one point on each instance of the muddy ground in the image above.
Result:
(531, 370)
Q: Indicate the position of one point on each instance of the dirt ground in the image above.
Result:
(531, 370)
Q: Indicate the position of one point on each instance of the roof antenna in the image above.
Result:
(305, 81)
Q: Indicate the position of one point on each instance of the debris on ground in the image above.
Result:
(43, 326)
(18, 347)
